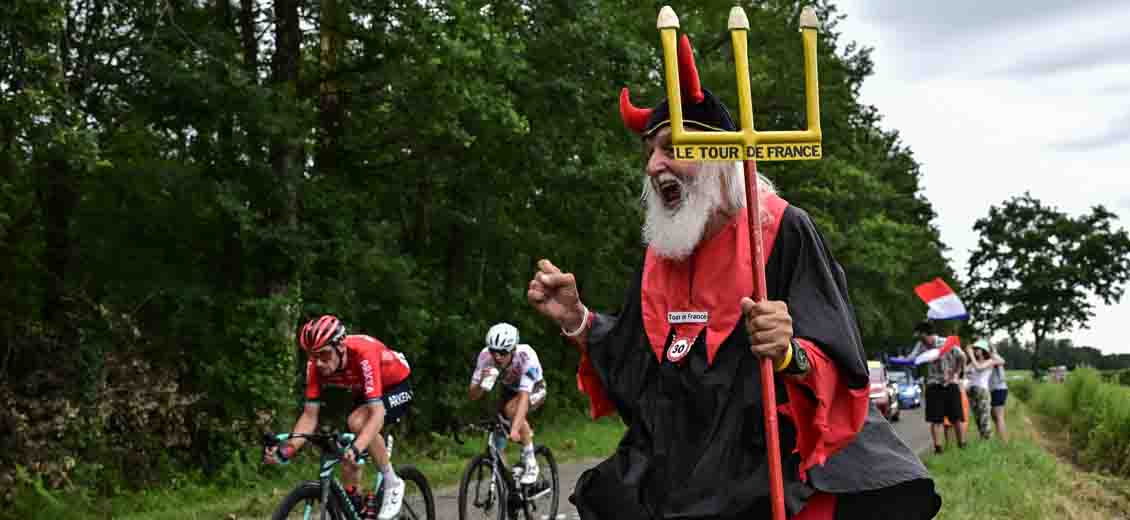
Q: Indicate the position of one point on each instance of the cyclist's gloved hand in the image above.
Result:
(351, 454)
(280, 454)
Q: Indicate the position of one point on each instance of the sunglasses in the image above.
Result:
(325, 353)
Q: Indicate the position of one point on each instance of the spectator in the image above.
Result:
(981, 365)
(943, 393)
(998, 394)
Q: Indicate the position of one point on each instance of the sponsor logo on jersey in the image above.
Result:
(367, 372)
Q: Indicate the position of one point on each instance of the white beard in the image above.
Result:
(675, 233)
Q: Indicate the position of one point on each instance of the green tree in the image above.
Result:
(1036, 267)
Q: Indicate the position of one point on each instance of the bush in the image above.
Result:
(1097, 415)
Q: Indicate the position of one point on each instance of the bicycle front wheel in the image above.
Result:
(418, 501)
(481, 497)
(305, 503)
(543, 494)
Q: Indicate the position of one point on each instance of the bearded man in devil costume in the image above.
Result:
(679, 363)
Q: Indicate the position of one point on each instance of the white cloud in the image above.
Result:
(998, 98)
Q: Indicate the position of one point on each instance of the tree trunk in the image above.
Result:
(422, 222)
(227, 121)
(1039, 334)
(230, 263)
(331, 113)
(247, 32)
(286, 165)
(456, 259)
(286, 144)
(57, 200)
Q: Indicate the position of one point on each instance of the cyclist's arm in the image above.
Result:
(372, 427)
(307, 422)
(475, 392)
(520, 413)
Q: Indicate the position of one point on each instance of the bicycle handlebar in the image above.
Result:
(484, 426)
(334, 443)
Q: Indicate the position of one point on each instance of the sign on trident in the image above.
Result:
(749, 145)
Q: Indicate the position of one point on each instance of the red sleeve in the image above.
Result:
(589, 383)
(313, 388)
(827, 414)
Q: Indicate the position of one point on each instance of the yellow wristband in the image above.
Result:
(788, 359)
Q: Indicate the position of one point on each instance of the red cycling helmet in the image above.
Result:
(316, 334)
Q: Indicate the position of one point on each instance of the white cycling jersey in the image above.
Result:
(523, 374)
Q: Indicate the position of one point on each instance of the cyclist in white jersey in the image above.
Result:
(517, 368)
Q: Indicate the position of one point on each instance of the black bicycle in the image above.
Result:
(326, 499)
(490, 489)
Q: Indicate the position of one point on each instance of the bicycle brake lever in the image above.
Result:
(269, 440)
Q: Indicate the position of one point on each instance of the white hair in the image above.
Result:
(718, 186)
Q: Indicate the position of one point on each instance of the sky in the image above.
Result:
(1004, 96)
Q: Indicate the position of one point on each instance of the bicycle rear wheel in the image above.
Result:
(480, 497)
(418, 501)
(305, 503)
(542, 496)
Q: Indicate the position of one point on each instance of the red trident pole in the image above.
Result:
(751, 145)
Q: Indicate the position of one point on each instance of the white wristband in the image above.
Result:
(584, 323)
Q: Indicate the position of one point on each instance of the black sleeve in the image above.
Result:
(802, 272)
(615, 352)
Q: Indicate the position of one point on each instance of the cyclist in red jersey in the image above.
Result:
(378, 377)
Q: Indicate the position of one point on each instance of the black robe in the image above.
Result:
(695, 443)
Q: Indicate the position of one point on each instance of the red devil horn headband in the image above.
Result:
(636, 118)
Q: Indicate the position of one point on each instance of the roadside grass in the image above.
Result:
(261, 488)
(1021, 479)
(1018, 375)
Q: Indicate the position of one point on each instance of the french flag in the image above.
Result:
(943, 302)
(933, 354)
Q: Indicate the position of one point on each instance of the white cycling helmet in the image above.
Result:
(502, 337)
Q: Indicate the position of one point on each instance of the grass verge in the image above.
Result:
(1021, 479)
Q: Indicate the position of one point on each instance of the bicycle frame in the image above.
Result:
(504, 474)
(330, 457)
(498, 465)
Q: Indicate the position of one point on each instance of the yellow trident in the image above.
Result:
(748, 143)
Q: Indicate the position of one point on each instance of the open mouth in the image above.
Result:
(670, 190)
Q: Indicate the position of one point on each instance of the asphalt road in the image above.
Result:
(911, 428)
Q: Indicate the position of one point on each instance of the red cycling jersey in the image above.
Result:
(370, 369)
